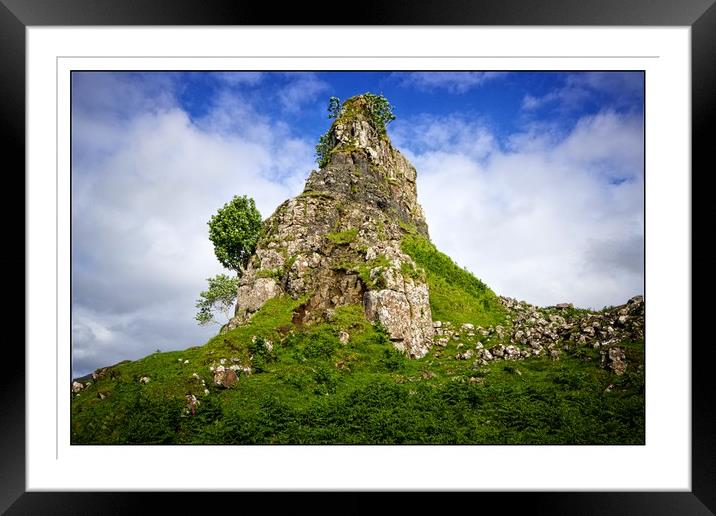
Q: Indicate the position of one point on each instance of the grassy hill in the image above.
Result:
(306, 387)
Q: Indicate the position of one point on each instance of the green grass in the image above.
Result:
(343, 237)
(456, 295)
(312, 389)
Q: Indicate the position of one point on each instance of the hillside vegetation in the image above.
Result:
(306, 387)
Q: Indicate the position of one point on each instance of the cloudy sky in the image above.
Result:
(532, 180)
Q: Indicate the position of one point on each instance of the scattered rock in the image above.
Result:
(144, 380)
(240, 368)
(224, 377)
(191, 403)
(511, 352)
(344, 337)
(467, 355)
(77, 387)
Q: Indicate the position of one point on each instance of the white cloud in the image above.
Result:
(542, 220)
(240, 78)
(453, 82)
(300, 89)
(446, 134)
(144, 187)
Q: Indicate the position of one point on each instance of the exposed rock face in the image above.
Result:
(338, 243)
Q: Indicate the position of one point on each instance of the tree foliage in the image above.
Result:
(234, 231)
(381, 111)
(219, 297)
(334, 107)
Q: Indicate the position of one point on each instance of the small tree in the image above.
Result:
(220, 297)
(381, 110)
(234, 231)
(334, 107)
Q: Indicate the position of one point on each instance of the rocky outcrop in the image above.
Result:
(534, 331)
(338, 243)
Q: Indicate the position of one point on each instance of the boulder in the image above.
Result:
(615, 360)
(512, 352)
(224, 377)
(464, 356)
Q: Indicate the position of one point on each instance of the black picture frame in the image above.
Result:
(700, 15)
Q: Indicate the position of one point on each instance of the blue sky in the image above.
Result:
(505, 101)
(532, 180)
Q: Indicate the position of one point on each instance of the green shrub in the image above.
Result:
(262, 355)
(392, 359)
(326, 380)
(320, 343)
(150, 420)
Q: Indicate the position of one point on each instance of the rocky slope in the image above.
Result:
(534, 331)
(338, 243)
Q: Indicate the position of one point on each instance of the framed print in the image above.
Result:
(354, 347)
